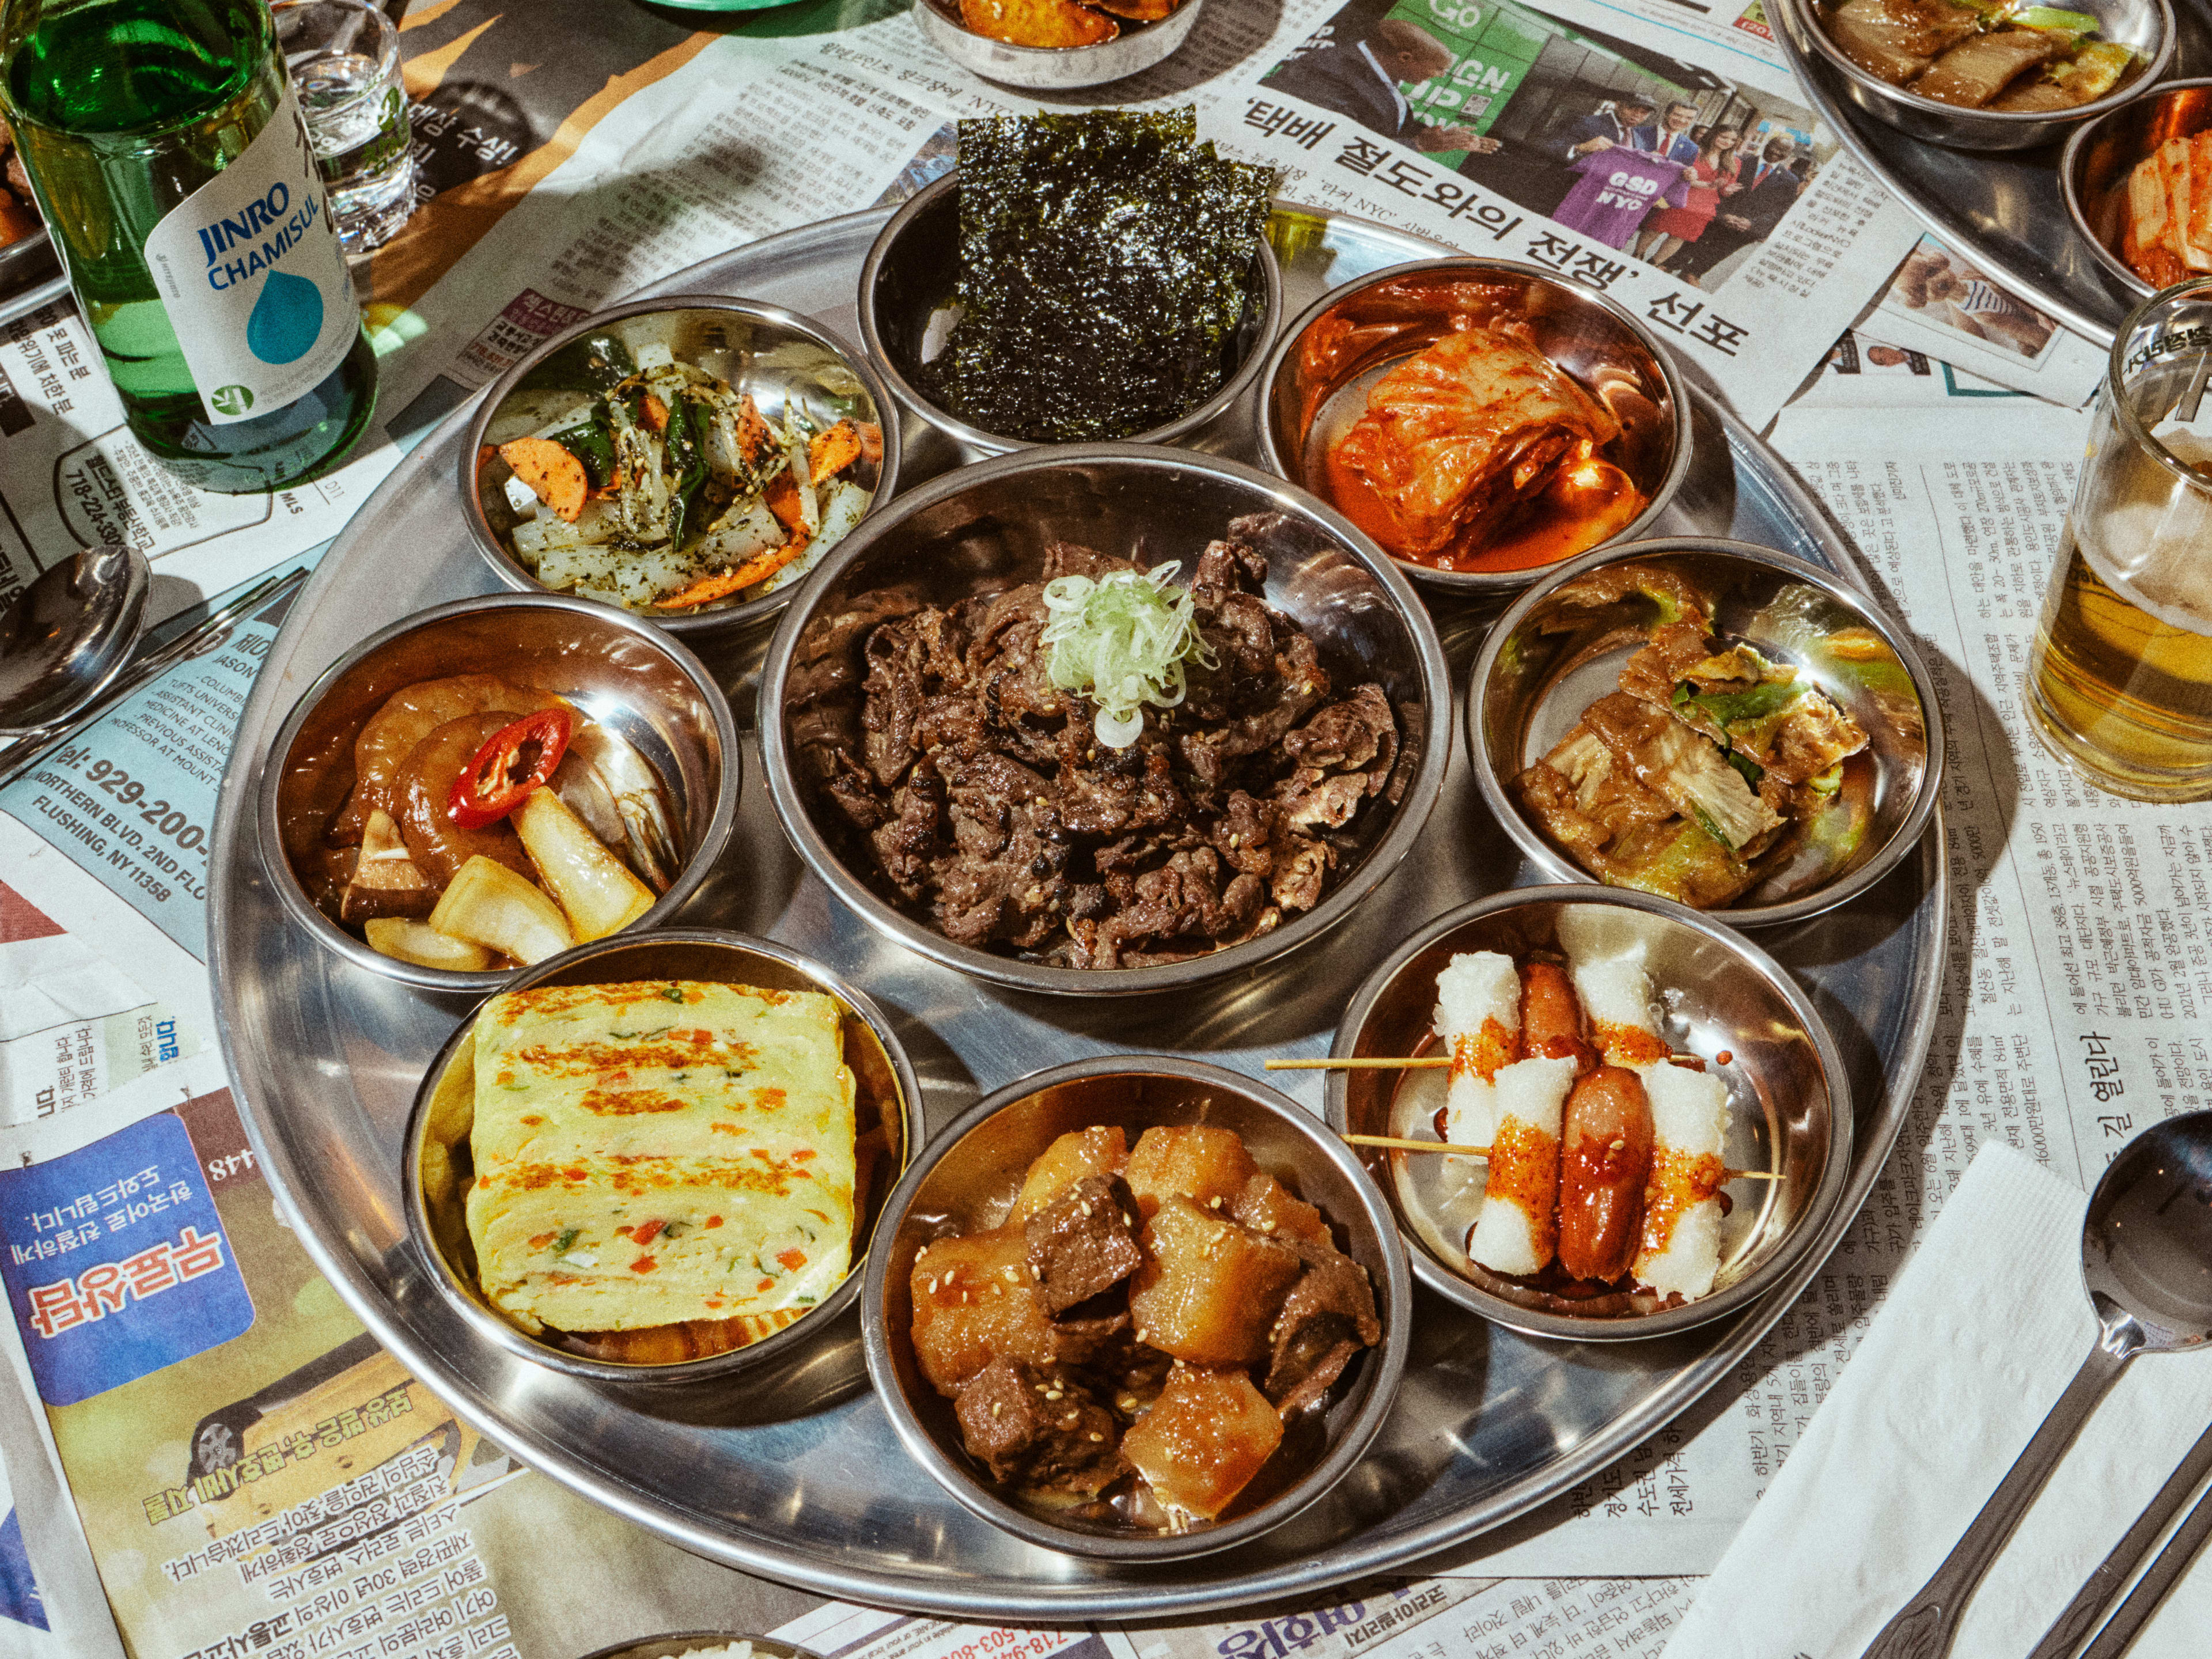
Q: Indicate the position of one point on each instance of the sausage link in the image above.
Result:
(1551, 1026)
(1605, 1161)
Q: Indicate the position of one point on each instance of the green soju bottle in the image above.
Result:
(164, 143)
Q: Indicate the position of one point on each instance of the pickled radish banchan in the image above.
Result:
(489, 823)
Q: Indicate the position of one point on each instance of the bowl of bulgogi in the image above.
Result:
(2003, 76)
(1105, 718)
(1721, 724)
(1481, 419)
(1137, 1307)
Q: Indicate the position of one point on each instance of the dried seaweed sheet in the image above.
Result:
(1105, 270)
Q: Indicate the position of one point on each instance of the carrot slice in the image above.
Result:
(754, 436)
(833, 451)
(759, 569)
(782, 496)
(555, 477)
(872, 441)
(656, 413)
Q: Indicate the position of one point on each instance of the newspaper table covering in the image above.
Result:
(205, 1456)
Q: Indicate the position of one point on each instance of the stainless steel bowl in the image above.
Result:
(910, 276)
(636, 681)
(675, 1646)
(964, 1181)
(989, 525)
(435, 1165)
(1056, 68)
(1308, 402)
(2146, 25)
(2093, 174)
(1788, 1097)
(1561, 646)
(784, 360)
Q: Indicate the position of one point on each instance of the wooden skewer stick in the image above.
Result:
(1393, 1143)
(1427, 1062)
(1381, 1063)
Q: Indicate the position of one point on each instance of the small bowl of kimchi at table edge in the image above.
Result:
(2096, 174)
(1316, 391)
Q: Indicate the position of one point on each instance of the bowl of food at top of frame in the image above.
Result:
(690, 459)
(1480, 418)
(1105, 718)
(1722, 725)
(489, 782)
(1137, 1307)
(1658, 1123)
(1049, 45)
(1077, 278)
(2137, 183)
(1996, 76)
(658, 1159)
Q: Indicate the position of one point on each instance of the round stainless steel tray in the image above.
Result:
(2001, 209)
(801, 1477)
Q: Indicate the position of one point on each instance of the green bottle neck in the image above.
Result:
(129, 67)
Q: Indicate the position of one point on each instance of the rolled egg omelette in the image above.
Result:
(660, 1152)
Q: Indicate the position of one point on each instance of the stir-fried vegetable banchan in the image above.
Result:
(659, 486)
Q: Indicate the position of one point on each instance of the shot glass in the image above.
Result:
(2119, 681)
(344, 57)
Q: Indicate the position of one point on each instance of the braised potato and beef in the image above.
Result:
(1148, 1331)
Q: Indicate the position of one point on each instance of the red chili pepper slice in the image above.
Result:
(513, 761)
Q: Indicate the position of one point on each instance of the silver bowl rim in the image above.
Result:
(512, 1339)
(1412, 811)
(1471, 584)
(2007, 128)
(992, 444)
(1394, 1300)
(1835, 1172)
(707, 621)
(697, 865)
(1061, 57)
(1556, 867)
(2070, 165)
(764, 1647)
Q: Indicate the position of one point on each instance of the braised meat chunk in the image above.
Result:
(1327, 1317)
(1144, 1330)
(1083, 1243)
(1040, 1429)
(980, 795)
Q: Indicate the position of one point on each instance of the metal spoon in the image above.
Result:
(2147, 1263)
(68, 634)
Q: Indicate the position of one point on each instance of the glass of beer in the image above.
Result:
(2119, 684)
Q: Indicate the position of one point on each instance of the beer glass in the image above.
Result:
(2119, 683)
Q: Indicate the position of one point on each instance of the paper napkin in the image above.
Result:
(1981, 1332)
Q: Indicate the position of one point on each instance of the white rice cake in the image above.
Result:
(1518, 1228)
(1478, 1015)
(1616, 997)
(659, 1151)
(1680, 1250)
